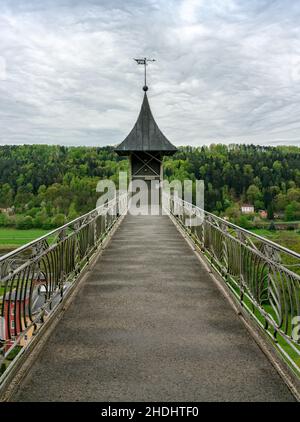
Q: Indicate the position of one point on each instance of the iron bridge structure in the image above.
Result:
(259, 283)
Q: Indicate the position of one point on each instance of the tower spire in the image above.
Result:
(144, 62)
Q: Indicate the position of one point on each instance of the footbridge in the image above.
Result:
(178, 306)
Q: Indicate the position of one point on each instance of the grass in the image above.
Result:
(256, 312)
(13, 238)
(287, 238)
(291, 240)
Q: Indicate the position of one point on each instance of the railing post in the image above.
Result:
(76, 247)
(53, 261)
(241, 276)
(95, 231)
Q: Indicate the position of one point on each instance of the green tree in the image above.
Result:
(24, 223)
(72, 214)
(244, 222)
(6, 196)
(289, 213)
(292, 211)
(254, 194)
(270, 212)
(272, 226)
(4, 220)
(58, 220)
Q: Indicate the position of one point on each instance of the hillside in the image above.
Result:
(48, 184)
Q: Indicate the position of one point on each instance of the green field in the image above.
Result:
(13, 238)
(287, 238)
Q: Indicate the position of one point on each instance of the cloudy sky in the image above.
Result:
(226, 70)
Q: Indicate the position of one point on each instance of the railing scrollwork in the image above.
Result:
(35, 278)
(263, 276)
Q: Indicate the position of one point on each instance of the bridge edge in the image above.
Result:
(260, 338)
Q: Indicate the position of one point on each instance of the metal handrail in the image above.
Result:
(36, 278)
(53, 232)
(263, 276)
(248, 232)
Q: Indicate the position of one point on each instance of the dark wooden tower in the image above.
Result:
(145, 146)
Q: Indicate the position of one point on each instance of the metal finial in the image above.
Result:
(144, 62)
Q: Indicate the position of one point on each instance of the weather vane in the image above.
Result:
(144, 62)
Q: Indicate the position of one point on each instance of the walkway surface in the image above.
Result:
(149, 324)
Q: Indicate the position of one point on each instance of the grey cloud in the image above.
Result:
(226, 70)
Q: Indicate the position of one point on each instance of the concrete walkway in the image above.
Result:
(149, 324)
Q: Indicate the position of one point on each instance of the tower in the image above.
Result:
(145, 146)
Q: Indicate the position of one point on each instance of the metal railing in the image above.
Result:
(35, 278)
(263, 276)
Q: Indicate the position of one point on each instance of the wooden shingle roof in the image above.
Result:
(145, 135)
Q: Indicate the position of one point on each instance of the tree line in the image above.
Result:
(266, 177)
(44, 186)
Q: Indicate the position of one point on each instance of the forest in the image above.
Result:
(44, 186)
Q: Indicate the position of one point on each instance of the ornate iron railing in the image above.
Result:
(263, 276)
(35, 278)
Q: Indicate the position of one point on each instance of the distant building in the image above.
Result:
(247, 209)
(263, 214)
(8, 211)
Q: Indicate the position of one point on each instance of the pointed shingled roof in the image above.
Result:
(146, 135)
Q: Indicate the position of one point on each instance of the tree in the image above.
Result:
(4, 220)
(292, 211)
(62, 180)
(40, 219)
(277, 166)
(23, 197)
(254, 194)
(72, 214)
(6, 196)
(281, 201)
(25, 223)
(47, 224)
(270, 212)
(289, 213)
(58, 220)
(244, 222)
(272, 226)
(233, 212)
(293, 194)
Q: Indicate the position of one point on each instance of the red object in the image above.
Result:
(15, 312)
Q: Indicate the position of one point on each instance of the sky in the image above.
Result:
(226, 70)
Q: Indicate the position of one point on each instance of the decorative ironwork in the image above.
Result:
(262, 275)
(35, 278)
(144, 62)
